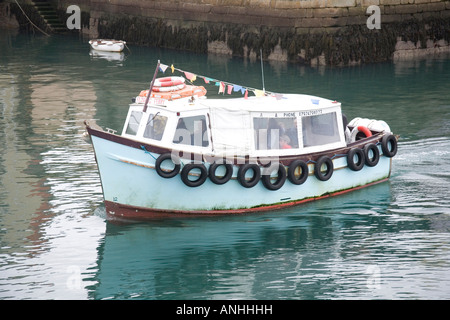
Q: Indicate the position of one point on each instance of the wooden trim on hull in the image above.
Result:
(121, 212)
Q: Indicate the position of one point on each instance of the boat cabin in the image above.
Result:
(257, 126)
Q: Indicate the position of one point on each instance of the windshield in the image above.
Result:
(133, 122)
(320, 129)
(155, 126)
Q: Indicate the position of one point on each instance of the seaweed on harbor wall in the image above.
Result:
(153, 32)
(336, 46)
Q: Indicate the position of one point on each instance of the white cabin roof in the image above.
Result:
(231, 119)
(285, 102)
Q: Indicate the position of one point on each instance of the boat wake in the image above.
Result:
(420, 177)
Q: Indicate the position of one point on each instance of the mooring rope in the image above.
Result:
(30, 20)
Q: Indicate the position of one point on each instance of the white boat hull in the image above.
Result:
(107, 45)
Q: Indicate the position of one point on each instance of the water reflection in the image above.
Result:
(48, 178)
(23, 194)
(108, 56)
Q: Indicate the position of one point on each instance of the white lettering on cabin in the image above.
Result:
(310, 113)
(291, 114)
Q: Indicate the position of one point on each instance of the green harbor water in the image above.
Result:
(389, 241)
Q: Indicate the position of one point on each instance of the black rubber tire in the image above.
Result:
(392, 151)
(371, 161)
(281, 178)
(243, 170)
(167, 174)
(185, 174)
(291, 172)
(351, 159)
(318, 173)
(228, 173)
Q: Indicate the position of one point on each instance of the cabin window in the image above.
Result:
(275, 133)
(133, 123)
(320, 129)
(192, 131)
(155, 126)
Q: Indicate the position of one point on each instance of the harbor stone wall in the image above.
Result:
(314, 32)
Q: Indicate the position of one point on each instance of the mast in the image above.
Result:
(262, 70)
(151, 87)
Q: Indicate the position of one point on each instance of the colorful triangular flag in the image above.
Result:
(207, 80)
(221, 87)
(190, 76)
(236, 88)
(163, 67)
(258, 93)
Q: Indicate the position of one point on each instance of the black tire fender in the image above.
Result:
(371, 161)
(359, 164)
(255, 178)
(165, 173)
(220, 180)
(188, 168)
(291, 172)
(281, 178)
(392, 150)
(324, 160)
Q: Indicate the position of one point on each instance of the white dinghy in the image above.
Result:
(107, 45)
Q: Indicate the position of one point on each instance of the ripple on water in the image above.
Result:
(421, 177)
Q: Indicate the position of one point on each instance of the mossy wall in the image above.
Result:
(332, 32)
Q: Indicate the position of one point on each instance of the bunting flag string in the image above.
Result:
(224, 87)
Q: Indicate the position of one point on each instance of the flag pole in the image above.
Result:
(151, 87)
(262, 70)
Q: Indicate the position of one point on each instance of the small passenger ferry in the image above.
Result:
(189, 155)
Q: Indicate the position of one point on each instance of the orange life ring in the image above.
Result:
(168, 81)
(365, 130)
(358, 129)
(169, 88)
